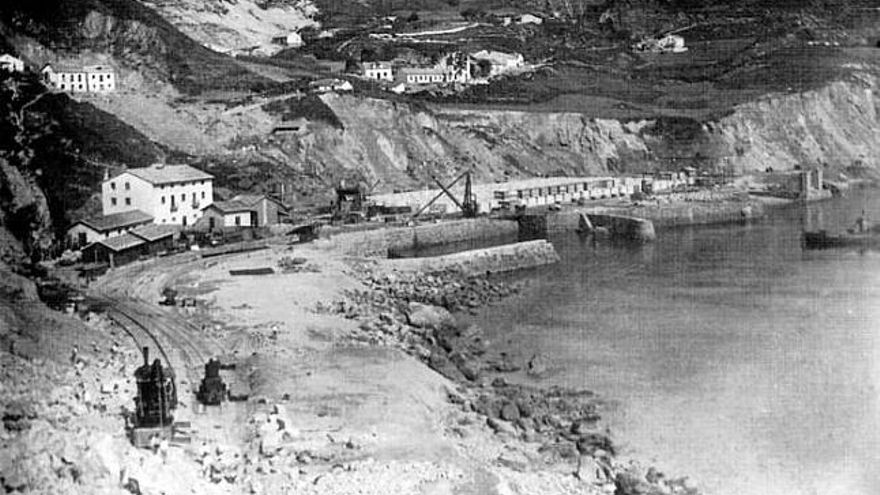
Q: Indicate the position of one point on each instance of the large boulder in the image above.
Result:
(427, 316)
(538, 365)
(590, 471)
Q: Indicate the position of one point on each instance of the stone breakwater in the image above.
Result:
(411, 310)
(508, 257)
(388, 240)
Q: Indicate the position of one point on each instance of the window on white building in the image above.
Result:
(113, 186)
(127, 201)
(113, 201)
(127, 186)
(163, 200)
(203, 194)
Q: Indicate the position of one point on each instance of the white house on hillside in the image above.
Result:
(11, 63)
(172, 194)
(377, 71)
(292, 39)
(75, 79)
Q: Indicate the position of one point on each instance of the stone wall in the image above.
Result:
(504, 258)
(379, 242)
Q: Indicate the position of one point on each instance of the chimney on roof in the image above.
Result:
(106, 173)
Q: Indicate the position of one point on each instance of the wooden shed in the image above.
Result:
(116, 251)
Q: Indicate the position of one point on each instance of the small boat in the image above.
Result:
(823, 240)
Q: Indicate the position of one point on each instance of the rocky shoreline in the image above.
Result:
(415, 312)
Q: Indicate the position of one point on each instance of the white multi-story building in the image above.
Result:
(378, 71)
(422, 75)
(11, 63)
(172, 194)
(85, 79)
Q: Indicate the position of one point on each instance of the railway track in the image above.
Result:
(165, 335)
(141, 335)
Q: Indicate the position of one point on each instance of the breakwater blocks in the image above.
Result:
(508, 257)
(381, 242)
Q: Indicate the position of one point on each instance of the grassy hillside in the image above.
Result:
(62, 147)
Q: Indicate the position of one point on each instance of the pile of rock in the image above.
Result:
(48, 439)
(448, 290)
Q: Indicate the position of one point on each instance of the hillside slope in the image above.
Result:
(241, 26)
(133, 36)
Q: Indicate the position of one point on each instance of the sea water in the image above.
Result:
(728, 354)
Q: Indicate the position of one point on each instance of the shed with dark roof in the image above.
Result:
(117, 250)
(159, 238)
(94, 229)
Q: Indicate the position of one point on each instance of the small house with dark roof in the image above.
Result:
(116, 251)
(172, 194)
(159, 238)
(95, 229)
(244, 210)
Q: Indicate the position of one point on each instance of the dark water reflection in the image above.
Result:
(732, 354)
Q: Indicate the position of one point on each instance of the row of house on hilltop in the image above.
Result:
(66, 77)
(143, 207)
(453, 68)
(80, 79)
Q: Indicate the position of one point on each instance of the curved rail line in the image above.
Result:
(146, 326)
(114, 313)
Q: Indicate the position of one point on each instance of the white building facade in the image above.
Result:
(86, 79)
(11, 63)
(378, 71)
(172, 194)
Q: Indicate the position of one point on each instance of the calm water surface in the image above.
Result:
(731, 355)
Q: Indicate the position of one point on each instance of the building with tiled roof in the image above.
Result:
(172, 194)
(159, 174)
(153, 232)
(96, 229)
(244, 210)
(116, 250)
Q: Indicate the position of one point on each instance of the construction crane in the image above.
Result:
(468, 205)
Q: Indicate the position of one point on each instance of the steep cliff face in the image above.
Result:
(396, 140)
(836, 127)
(25, 223)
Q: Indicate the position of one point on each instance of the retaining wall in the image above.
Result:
(379, 242)
(504, 258)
